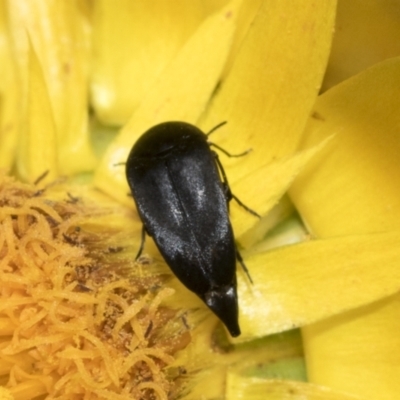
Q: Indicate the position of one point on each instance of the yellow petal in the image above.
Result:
(250, 358)
(207, 384)
(180, 93)
(281, 227)
(37, 152)
(300, 284)
(133, 44)
(259, 358)
(273, 83)
(250, 388)
(5, 394)
(358, 351)
(59, 35)
(262, 189)
(352, 187)
(10, 110)
(247, 13)
(367, 32)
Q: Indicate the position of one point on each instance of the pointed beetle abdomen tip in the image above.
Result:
(224, 303)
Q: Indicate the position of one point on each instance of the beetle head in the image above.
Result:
(223, 302)
(162, 139)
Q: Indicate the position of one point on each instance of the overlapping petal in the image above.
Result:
(273, 83)
(357, 351)
(59, 34)
(10, 107)
(240, 387)
(180, 93)
(353, 188)
(133, 44)
(366, 33)
(37, 149)
(300, 284)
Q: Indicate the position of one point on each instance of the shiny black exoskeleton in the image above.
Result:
(175, 181)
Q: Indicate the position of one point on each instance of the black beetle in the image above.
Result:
(183, 203)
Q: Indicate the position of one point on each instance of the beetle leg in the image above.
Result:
(223, 174)
(142, 243)
(240, 259)
(249, 210)
(220, 148)
(41, 177)
(228, 193)
(227, 188)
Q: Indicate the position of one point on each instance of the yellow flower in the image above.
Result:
(78, 317)
(260, 66)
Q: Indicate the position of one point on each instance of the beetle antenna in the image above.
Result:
(216, 127)
(229, 154)
(118, 164)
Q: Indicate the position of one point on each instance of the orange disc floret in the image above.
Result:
(76, 320)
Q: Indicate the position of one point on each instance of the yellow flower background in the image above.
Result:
(312, 87)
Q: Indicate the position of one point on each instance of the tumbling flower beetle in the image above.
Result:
(182, 195)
